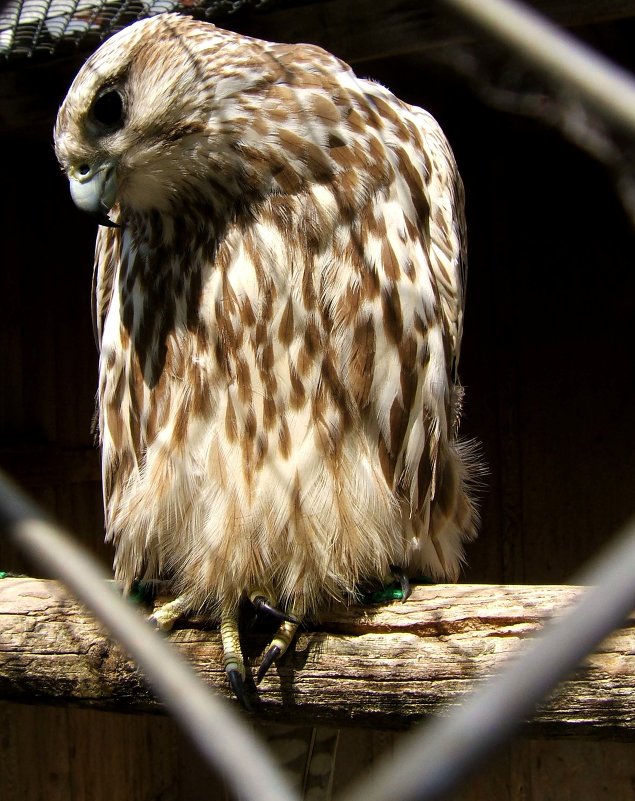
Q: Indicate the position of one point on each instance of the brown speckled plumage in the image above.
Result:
(279, 317)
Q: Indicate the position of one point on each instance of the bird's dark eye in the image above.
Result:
(108, 109)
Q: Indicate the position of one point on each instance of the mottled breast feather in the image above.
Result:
(279, 318)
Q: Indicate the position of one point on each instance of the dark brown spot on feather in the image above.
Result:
(201, 396)
(222, 357)
(268, 411)
(336, 390)
(287, 178)
(408, 353)
(348, 306)
(387, 110)
(247, 313)
(262, 445)
(392, 318)
(285, 329)
(284, 438)
(297, 397)
(250, 426)
(324, 109)
(424, 474)
(387, 462)
(335, 142)
(356, 121)
(202, 340)
(417, 191)
(362, 365)
(260, 334)
(370, 283)
(389, 261)
(179, 432)
(371, 224)
(265, 362)
(341, 154)
(225, 328)
(308, 290)
(344, 189)
(308, 351)
(135, 387)
(408, 375)
(420, 325)
(398, 426)
(243, 379)
(377, 151)
(268, 295)
(316, 160)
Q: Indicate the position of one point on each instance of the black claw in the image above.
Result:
(263, 605)
(404, 581)
(267, 661)
(238, 686)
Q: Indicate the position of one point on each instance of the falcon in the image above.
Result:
(278, 302)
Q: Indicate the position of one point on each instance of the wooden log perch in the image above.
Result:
(381, 666)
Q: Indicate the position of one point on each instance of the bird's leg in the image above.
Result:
(400, 576)
(260, 599)
(233, 661)
(278, 646)
(166, 615)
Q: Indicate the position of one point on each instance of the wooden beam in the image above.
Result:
(380, 666)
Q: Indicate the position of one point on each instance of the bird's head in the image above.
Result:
(148, 112)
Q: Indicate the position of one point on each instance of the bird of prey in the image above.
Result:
(278, 301)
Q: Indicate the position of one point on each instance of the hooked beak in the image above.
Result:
(94, 190)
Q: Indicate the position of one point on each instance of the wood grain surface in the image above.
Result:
(377, 666)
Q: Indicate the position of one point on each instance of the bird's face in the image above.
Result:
(139, 121)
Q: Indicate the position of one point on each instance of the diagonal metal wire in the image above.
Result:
(221, 736)
(601, 82)
(440, 754)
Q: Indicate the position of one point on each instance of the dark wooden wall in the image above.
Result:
(550, 376)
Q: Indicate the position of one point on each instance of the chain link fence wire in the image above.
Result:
(35, 27)
(439, 754)
(223, 737)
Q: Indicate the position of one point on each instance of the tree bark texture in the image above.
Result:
(384, 666)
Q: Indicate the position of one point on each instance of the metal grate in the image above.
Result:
(32, 27)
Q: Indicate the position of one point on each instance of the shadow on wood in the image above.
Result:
(377, 666)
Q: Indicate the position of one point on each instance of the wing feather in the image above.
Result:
(104, 271)
(417, 319)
